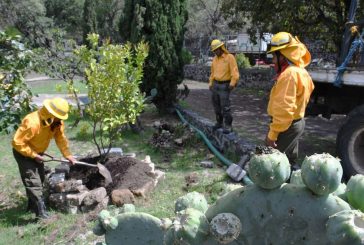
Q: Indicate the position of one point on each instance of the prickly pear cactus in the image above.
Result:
(189, 227)
(286, 215)
(107, 221)
(191, 200)
(127, 208)
(341, 192)
(322, 173)
(98, 229)
(225, 227)
(296, 178)
(355, 190)
(269, 170)
(136, 228)
(346, 227)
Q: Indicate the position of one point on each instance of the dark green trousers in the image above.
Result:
(32, 176)
(287, 141)
(221, 103)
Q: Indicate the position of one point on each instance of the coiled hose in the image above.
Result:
(224, 160)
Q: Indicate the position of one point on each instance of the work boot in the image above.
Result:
(217, 126)
(31, 207)
(41, 211)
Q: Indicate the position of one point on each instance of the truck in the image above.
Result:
(341, 91)
(241, 43)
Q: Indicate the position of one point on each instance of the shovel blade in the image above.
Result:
(105, 173)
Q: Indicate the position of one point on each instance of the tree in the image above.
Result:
(58, 61)
(67, 14)
(205, 18)
(315, 20)
(108, 15)
(15, 95)
(29, 18)
(161, 24)
(89, 18)
(113, 74)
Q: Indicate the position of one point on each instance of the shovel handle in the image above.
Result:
(85, 164)
(52, 159)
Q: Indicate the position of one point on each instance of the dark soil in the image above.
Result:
(126, 172)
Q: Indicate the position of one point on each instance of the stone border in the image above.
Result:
(225, 143)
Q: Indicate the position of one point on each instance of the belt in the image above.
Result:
(294, 121)
(297, 120)
(222, 82)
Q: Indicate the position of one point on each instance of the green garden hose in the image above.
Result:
(224, 160)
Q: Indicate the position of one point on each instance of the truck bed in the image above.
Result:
(351, 77)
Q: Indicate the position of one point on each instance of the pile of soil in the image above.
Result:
(126, 172)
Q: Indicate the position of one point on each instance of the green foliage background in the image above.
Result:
(161, 25)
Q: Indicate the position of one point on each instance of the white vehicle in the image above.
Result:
(344, 96)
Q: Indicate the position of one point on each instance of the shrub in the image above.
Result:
(243, 61)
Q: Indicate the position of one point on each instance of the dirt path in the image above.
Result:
(251, 119)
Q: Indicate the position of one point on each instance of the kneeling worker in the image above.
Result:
(31, 140)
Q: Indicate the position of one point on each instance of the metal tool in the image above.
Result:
(236, 171)
(102, 169)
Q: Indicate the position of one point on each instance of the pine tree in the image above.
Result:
(161, 24)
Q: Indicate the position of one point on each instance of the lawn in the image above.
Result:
(19, 227)
(53, 86)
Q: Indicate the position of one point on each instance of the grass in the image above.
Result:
(19, 227)
(55, 87)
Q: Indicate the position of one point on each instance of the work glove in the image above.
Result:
(231, 87)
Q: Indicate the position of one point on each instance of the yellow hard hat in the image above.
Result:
(291, 48)
(215, 44)
(58, 107)
(280, 41)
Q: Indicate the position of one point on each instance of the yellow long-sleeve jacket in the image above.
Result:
(288, 99)
(32, 137)
(224, 68)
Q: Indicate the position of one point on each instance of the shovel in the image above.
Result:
(102, 169)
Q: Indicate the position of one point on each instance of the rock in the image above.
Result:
(178, 141)
(207, 164)
(146, 188)
(58, 201)
(120, 197)
(94, 197)
(68, 186)
(156, 124)
(76, 199)
(159, 176)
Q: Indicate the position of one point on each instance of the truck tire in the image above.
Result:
(350, 143)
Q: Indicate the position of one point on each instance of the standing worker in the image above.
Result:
(31, 140)
(223, 79)
(290, 94)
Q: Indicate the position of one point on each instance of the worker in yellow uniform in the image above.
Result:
(223, 79)
(290, 94)
(31, 140)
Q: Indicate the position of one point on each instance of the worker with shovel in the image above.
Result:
(289, 95)
(223, 79)
(31, 140)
